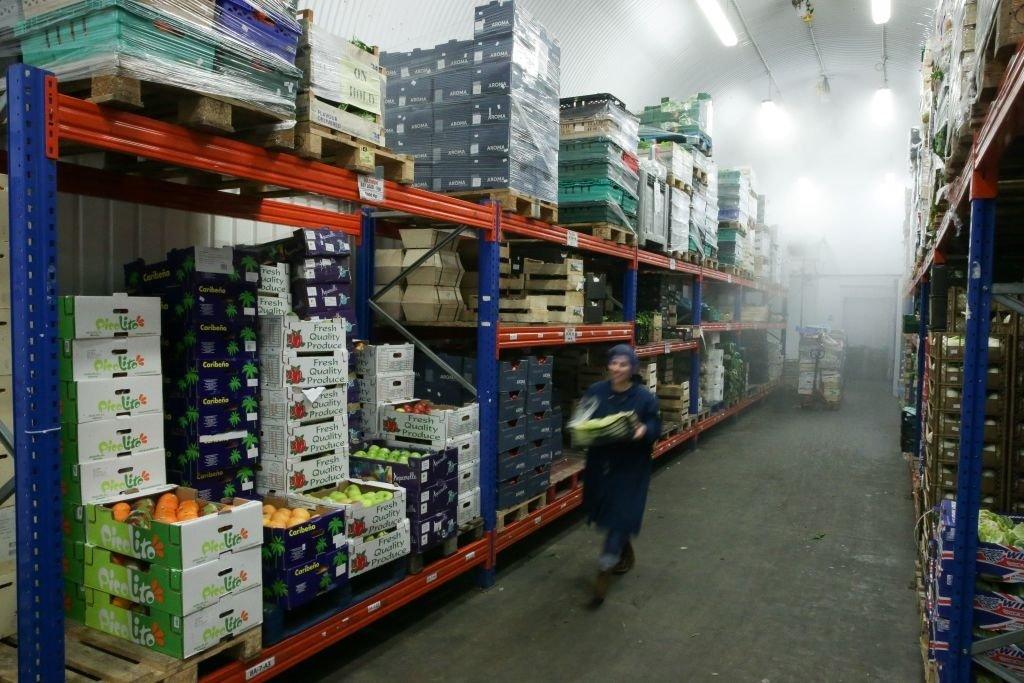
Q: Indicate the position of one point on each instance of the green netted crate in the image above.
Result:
(102, 29)
(596, 171)
(597, 191)
(591, 149)
(260, 74)
(596, 212)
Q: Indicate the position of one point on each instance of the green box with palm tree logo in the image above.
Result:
(296, 586)
(298, 544)
(214, 397)
(212, 339)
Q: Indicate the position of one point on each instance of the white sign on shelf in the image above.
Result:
(671, 264)
(668, 347)
(570, 335)
(371, 189)
(572, 238)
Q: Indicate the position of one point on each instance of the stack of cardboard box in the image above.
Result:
(304, 434)
(385, 374)
(529, 430)
(110, 372)
(712, 373)
(176, 584)
(211, 379)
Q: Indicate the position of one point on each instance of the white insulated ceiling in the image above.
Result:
(641, 50)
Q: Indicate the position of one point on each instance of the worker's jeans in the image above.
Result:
(614, 542)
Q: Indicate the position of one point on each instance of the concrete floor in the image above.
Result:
(780, 550)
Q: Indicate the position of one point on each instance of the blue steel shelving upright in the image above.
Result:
(32, 175)
(1001, 127)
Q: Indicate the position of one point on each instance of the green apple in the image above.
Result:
(338, 497)
(360, 454)
(403, 459)
(386, 495)
(352, 491)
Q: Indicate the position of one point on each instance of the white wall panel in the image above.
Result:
(98, 236)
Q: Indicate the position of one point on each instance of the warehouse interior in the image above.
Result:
(347, 340)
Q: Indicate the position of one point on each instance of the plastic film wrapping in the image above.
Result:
(341, 71)
(479, 114)
(692, 115)
(238, 50)
(676, 159)
(601, 115)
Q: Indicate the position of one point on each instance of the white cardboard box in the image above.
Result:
(384, 359)
(469, 506)
(199, 587)
(8, 539)
(387, 388)
(104, 481)
(106, 358)
(302, 405)
(289, 440)
(366, 555)
(430, 303)
(184, 544)
(278, 371)
(274, 278)
(444, 423)
(291, 477)
(101, 399)
(103, 439)
(8, 604)
(469, 476)
(273, 304)
(92, 317)
(468, 446)
(290, 335)
(361, 520)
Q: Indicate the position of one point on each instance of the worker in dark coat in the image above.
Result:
(617, 474)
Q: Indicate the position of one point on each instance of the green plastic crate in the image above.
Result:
(103, 29)
(597, 191)
(592, 149)
(596, 171)
(596, 212)
(259, 73)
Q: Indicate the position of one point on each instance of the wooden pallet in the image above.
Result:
(185, 107)
(684, 184)
(566, 477)
(710, 263)
(314, 141)
(446, 548)
(92, 655)
(517, 513)
(607, 231)
(514, 202)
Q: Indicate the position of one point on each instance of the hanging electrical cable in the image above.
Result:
(764, 62)
(881, 103)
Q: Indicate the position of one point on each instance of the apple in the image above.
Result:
(386, 495)
(338, 497)
(403, 459)
(360, 454)
(352, 491)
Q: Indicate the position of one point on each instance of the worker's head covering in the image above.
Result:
(628, 352)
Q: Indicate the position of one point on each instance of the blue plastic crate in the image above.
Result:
(276, 35)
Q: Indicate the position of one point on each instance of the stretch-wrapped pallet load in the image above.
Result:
(238, 51)
(597, 164)
(343, 83)
(480, 114)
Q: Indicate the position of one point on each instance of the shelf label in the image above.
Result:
(431, 578)
(570, 335)
(671, 264)
(371, 189)
(572, 238)
(728, 278)
(668, 347)
(513, 337)
(255, 670)
(370, 609)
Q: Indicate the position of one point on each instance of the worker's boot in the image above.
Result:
(601, 587)
(627, 560)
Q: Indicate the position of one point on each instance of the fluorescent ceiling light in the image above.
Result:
(881, 11)
(719, 22)
(881, 106)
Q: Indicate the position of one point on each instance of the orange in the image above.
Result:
(167, 500)
(185, 515)
(189, 505)
(269, 509)
(165, 517)
(276, 524)
(121, 511)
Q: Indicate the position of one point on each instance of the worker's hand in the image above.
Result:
(639, 433)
